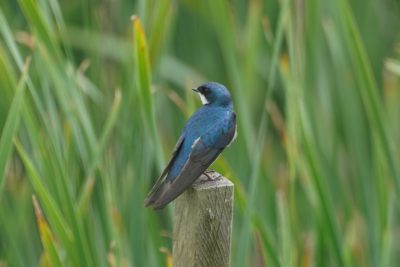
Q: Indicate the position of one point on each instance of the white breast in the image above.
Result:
(234, 136)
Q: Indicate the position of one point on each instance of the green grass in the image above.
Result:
(89, 120)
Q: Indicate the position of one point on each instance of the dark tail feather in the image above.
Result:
(155, 196)
(163, 195)
(162, 183)
(169, 191)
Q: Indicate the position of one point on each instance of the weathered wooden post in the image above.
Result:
(203, 224)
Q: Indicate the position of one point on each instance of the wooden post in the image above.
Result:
(203, 224)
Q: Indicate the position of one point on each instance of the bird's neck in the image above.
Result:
(217, 105)
(220, 105)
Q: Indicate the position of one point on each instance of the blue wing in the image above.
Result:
(202, 155)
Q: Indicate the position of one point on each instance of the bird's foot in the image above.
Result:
(211, 175)
(208, 176)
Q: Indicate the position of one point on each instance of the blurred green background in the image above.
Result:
(93, 102)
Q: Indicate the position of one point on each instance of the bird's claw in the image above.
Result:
(210, 174)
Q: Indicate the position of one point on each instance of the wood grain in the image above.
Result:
(203, 224)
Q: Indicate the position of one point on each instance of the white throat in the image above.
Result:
(203, 99)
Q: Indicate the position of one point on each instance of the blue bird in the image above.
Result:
(204, 136)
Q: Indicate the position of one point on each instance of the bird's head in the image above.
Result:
(215, 94)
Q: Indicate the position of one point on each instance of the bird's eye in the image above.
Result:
(206, 90)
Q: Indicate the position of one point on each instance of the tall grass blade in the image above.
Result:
(48, 241)
(12, 123)
(286, 250)
(256, 160)
(143, 84)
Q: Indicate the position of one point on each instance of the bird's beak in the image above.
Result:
(195, 89)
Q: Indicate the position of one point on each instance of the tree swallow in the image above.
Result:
(204, 136)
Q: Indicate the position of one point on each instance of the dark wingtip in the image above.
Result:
(158, 207)
(154, 206)
(155, 198)
(155, 202)
(149, 200)
(147, 203)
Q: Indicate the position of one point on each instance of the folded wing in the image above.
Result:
(201, 157)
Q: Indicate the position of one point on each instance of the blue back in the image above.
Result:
(209, 122)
